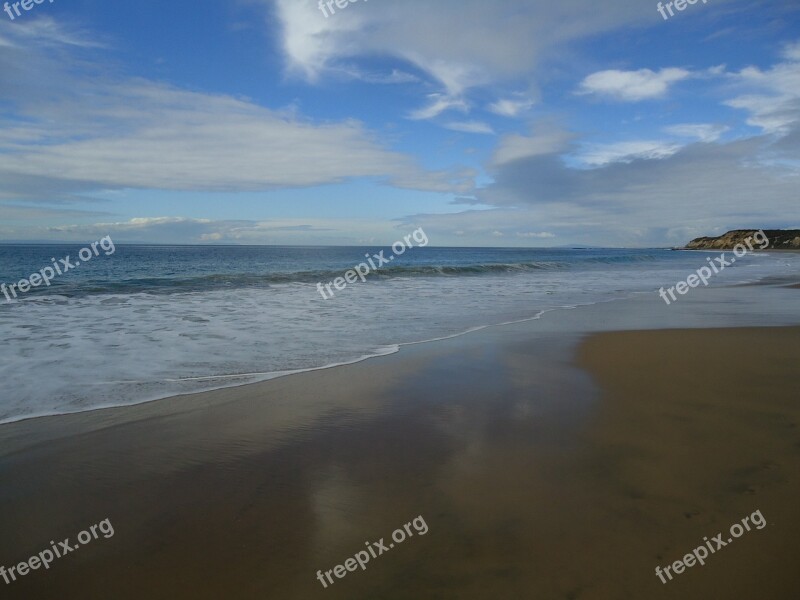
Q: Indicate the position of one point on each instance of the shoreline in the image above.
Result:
(269, 376)
(159, 360)
(385, 350)
(588, 326)
(526, 463)
(261, 378)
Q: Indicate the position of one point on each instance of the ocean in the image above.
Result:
(149, 322)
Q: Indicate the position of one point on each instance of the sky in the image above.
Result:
(518, 123)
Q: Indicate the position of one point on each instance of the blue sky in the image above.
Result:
(505, 123)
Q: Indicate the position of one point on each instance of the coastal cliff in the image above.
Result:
(779, 239)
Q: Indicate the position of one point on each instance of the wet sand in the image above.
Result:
(537, 477)
(702, 428)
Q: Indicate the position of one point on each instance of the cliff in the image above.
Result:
(779, 239)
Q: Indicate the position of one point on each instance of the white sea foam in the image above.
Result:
(72, 354)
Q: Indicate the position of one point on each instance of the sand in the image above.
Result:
(702, 428)
(537, 478)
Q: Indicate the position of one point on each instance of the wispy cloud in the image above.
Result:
(632, 86)
(439, 103)
(136, 133)
(704, 132)
(511, 107)
(411, 33)
(542, 235)
(602, 154)
(181, 229)
(469, 127)
(774, 98)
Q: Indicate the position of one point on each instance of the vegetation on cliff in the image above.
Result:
(779, 239)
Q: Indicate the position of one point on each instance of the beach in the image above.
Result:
(564, 457)
(452, 300)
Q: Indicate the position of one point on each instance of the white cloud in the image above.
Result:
(704, 132)
(540, 235)
(469, 127)
(545, 141)
(395, 77)
(176, 229)
(160, 137)
(134, 224)
(596, 155)
(632, 86)
(46, 31)
(654, 200)
(773, 100)
(11, 212)
(652, 191)
(791, 52)
(510, 107)
(439, 104)
(411, 32)
(137, 133)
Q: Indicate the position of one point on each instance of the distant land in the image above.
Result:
(779, 239)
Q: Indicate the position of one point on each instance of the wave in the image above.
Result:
(221, 281)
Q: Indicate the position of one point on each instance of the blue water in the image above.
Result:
(171, 269)
(149, 322)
